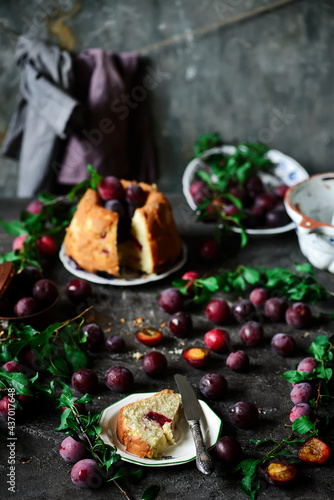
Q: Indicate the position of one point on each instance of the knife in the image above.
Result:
(192, 411)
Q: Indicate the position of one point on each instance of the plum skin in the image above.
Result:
(217, 339)
(85, 380)
(300, 410)
(228, 450)
(119, 379)
(72, 451)
(237, 360)
(244, 414)
(155, 364)
(213, 386)
(86, 474)
(302, 393)
(283, 344)
(217, 311)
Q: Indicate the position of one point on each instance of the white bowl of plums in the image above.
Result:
(242, 187)
(26, 296)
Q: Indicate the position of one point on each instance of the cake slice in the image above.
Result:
(146, 427)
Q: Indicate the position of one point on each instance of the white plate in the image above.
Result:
(184, 449)
(70, 265)
(284, 171)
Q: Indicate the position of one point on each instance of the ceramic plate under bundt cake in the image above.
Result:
(101, 240)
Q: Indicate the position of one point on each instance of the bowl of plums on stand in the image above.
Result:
(26, 296)
(241, 187)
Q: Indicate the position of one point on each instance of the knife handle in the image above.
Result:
(203, 459)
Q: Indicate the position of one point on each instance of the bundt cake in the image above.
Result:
(146, 427)
(97, 242)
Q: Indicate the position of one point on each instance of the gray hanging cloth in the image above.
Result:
(77, 109)
(44, 114)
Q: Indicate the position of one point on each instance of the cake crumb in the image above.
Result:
(163, 325)
(137, 355)
(138, 322)
(176, 351)
(123, 320)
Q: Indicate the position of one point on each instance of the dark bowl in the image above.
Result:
(39, 320)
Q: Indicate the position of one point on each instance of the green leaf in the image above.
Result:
(128, 474)
(295, 376)
(95, 178)
(304, 268)
(319, 347)
(324, 373)
(151, 492)
(59, 367)
(18, 381)
(239, 284)
(87, 398)
(250, 486)
(46, 197)
(248, 466)
(211, 284)
(66, 398)
(43, 338)
(82, 186)
(15, 228)
(234, 200)
(251, 275)
(66, 414)
(244, 237)
(75, 357)
(205, 142)
(303, 425)
(204, 176)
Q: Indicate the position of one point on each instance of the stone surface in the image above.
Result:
(46, 475)
(268, 78)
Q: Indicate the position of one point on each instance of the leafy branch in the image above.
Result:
(294, 286)
(87, 429)
(322, 349)
(251, 467)
(222, 170)
(54, 217)
(59, 349)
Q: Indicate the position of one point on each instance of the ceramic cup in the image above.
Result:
(310, 204)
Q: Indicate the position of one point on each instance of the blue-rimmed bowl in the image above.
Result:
(285, 170)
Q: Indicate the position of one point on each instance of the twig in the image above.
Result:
(95, 454)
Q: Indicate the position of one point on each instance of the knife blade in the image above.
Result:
(192, 412)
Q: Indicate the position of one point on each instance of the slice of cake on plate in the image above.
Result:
(146, 427)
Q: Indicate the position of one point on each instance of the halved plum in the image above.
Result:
(149, 336)
(314, 451)
(280, 473)
(196, 356)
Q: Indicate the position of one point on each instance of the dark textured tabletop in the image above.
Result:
(40, 471)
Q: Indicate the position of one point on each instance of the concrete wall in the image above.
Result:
(269, 78)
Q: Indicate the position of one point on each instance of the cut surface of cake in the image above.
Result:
(146, 427)
(152, 244)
